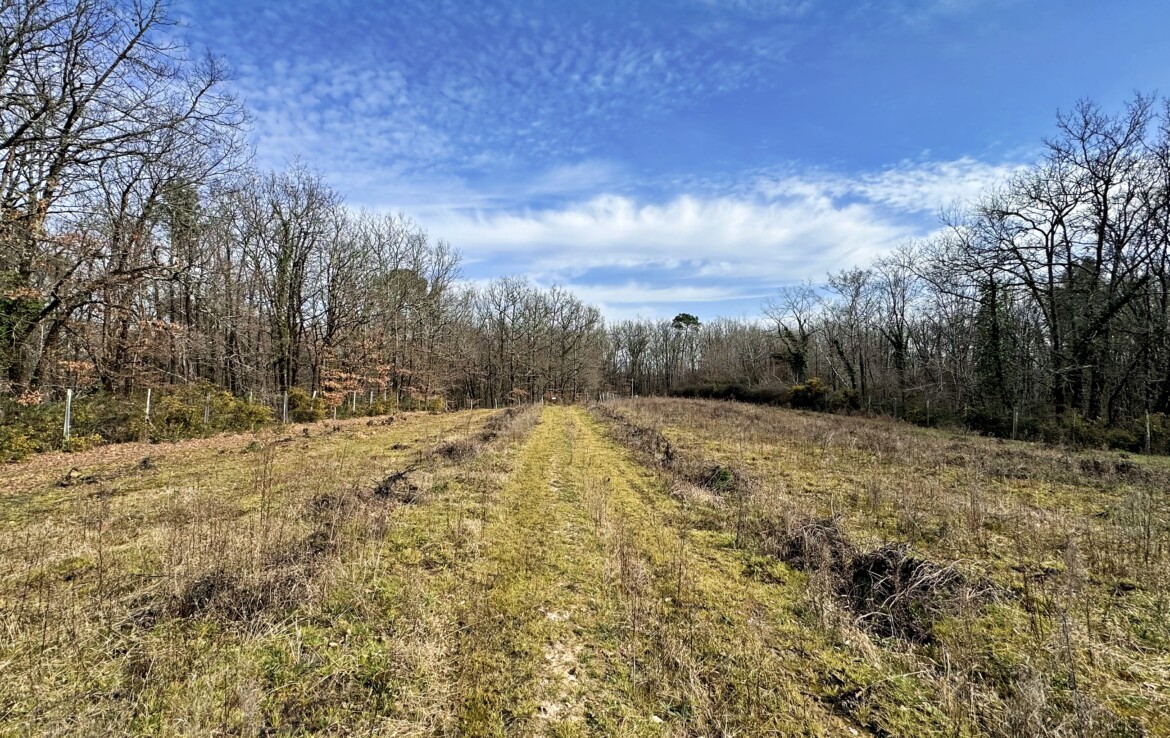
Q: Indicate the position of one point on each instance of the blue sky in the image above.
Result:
(666, 156)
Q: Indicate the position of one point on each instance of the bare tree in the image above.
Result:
(99, 108)
(793, 312)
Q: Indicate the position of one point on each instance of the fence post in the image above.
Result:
(1148, 439)
(284, 413)
(68, 411)
(353, 402)
(148, 404)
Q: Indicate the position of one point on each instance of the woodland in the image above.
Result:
(142, 249)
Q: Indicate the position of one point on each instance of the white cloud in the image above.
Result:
(632, 293)
(723, 238)
(448, 110)
(907, 186)
(925, 14)
(762, 9)
(585, 176)
(629, 255)
(423, 83)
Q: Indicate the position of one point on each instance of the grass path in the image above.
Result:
(539, 590)
(545, 583)
(595, 609)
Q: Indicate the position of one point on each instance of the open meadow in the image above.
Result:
(318, 320)
(648, 567)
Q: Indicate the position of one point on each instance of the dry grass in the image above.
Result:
(1028, 585)
(207, 586)
(592, 612)
(735, 571)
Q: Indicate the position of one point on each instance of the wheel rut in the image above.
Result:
(590, 613)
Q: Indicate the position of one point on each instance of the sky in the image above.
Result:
(661, 157)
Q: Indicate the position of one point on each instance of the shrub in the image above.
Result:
(812, 395)
(28, 429)
(1081, 433)
(15, 444)
(844, 400)
(81, 443)
(176, 413)
(115, 419)
(1074, 430)
(408, 403)
(758, 394)
(987, 422)
(303, 407)
(1159, 434)
(1123, 439)
(180, 413)
(387, 406)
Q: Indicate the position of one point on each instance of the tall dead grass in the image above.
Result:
(1030, 582)
(146, 611)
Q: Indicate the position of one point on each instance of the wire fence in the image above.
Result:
(198, 408)
(173, 411)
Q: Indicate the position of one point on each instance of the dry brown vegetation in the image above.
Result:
(147, 588)
(1024, 587)
(659, 568)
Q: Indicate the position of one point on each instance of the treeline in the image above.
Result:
(139, 249)
(1040, 311)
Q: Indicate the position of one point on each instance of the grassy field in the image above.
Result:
(656, 568)
(1015, 589)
